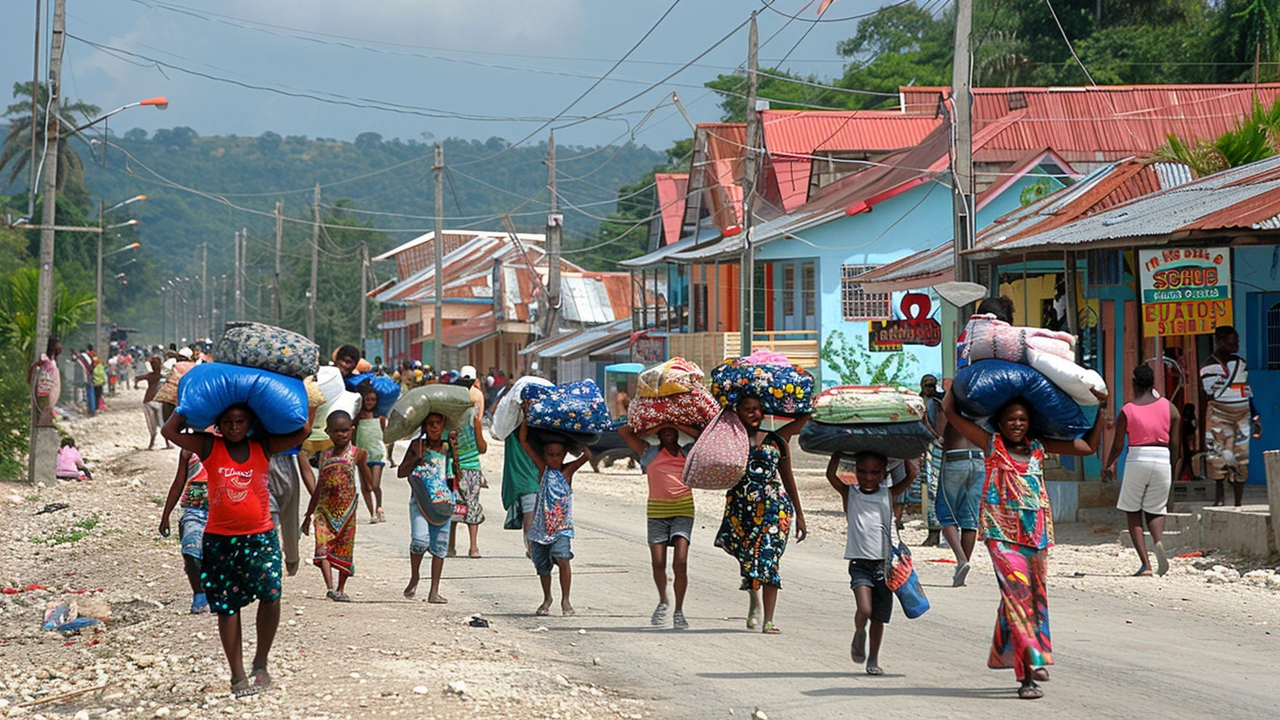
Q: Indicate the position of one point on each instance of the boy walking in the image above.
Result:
(551, 533)
(868, 508)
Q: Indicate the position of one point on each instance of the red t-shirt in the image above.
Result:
(239, 501)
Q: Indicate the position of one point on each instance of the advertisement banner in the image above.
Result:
(915, 325)
(1185, 291)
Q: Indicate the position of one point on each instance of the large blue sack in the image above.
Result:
(388, 390)
(577, 407)
(982, 388)
(279, 401)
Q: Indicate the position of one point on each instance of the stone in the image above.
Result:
(458, 687)
(421, 690)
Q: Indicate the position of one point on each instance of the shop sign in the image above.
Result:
(1185, 291)
(915, 327)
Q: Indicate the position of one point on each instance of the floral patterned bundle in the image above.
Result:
(672, 377)
(859, 404)
(719, 458)
(267, 347)
(576, 407)
(694, 408)
(783, 389)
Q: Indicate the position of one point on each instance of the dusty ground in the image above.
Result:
(382, 656)
(386, 657)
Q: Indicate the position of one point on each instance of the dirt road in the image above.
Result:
(1174, 647)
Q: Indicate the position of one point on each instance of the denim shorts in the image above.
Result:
(544, 556)
(426, 537)
(870, 573)
(960, 489)
(191, 530)
(664, 531)
(527, 502)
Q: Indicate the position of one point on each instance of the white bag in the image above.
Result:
(508, 415)
(1069, 377)
(329, 379)
(346, 401)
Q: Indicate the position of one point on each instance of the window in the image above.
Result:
(860, 305)
(807, 286)
(788, 289)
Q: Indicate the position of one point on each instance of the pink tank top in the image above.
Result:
(1148, 424)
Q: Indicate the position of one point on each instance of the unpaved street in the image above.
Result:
(1172, 647)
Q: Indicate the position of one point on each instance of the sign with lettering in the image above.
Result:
(916, 327)
(1185, 291)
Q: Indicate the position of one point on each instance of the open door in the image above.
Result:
(1262, 352)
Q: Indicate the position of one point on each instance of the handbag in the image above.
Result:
(718, 459)
(431, 476)
(904, 582)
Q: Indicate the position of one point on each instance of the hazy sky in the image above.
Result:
(478, 58)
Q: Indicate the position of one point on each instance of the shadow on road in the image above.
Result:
(868, 691)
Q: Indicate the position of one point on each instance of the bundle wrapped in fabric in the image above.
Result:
(783, 389)
(278, 401)
(388, 390)
(1076, 381)
(577, 407)
(983, 388)
(987, 338)
(315, 398)
(673, 377)
(694, 408)
(508, 413)
(266, 347)
(867, 404)
(410, 411)
(904, 440)
(718, 459)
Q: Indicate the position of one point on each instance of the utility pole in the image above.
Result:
(35, 114)
(43, 441)
(242, 249)
(315, 260)
(97, 322)
(555, 225)
(205, 314)
(236, 275)
(962, 138)
(275, 284)
(437, 172)
(748, 270)
(364, 294)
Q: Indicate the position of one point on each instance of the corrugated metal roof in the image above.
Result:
(576, 343)
(586, 300)
(805, 132)
(1247, 197)
(671, 189)
(468, 333)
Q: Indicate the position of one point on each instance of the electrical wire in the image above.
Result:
(820, 19)
(1058, 22)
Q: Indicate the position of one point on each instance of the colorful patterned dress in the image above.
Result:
(757, 516)
(553, 510)
(1017, 523)
(335, 515)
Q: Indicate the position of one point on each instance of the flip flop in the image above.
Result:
(771, 629)
(1030, 692)
(1143, 572)
(874, 669)
(542, 611)
(1040, 674)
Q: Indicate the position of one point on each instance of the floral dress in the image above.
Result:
(757, 516)
(335, 514)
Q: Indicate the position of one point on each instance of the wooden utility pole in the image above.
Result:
(276, 310)
(364, 294)
(962, 138)
(437, 327)
(748, 270)
(241, 274)
(555, 227)
(315, 260)
(43, 441)
(236, 279)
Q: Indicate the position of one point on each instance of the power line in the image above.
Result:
(769, 6)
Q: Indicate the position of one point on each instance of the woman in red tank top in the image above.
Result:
(1151, 425)
(240, 557)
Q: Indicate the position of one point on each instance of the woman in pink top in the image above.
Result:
(1151, 424)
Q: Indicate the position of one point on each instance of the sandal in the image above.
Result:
(1040, 674)
(874, 669)
(1031, 691)
(382, 516)
(1143, 572)
(771, 629)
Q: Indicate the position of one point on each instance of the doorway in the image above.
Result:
(1263, 355)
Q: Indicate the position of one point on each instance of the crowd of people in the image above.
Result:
(242, 517)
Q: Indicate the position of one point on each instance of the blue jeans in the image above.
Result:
(960, 489)
(426, 537)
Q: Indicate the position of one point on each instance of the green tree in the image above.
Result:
(16, 153)
(1257, 137)
(781, 90)
(1243, 30)
(18, 298)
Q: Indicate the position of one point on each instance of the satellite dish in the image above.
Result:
(960, 293)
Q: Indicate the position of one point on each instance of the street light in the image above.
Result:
(42, 440)
(102, 231)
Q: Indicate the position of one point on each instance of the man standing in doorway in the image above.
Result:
(1228, 415)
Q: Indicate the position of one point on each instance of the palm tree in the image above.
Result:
(17, 152)
(18, 310)
(1257, 137)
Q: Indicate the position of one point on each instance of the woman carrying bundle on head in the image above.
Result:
(1016, 523)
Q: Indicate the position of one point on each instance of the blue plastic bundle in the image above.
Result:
(279, 401)
(576, 408)
(983, 388)
(387, 389)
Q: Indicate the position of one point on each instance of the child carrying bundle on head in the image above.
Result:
(334, 504)
(551, 534)
(240, 554)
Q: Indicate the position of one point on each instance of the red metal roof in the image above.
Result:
(1096, 124)
(671, 189)
(804, 132)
